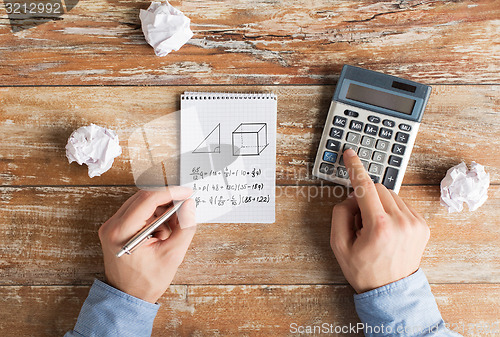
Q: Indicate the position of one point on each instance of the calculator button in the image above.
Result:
(326, 168)
(375, 179)
(367, 141)
(336, 133)
(339, 121)
(373, 119)
(371, 129)
(382, 145)
(342, 173)
(398, 149)
(365, 164)
(395, 161)
(388, 122)
(364, 153)
(405, 127)
(351, 113)
(375, 168)
(350, 146)
(333, 145)
(329, 156)
(356, 126)
(353, 137)
(379, 157)
(391, 174)
(385, 133)
(402, 137)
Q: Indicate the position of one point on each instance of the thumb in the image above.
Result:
(343, 220)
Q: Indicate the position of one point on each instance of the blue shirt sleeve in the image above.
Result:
(405, 308)
(108, 311)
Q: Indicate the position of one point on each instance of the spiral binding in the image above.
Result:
(206, 95)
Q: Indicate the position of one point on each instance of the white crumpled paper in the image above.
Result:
(165, 27)
(95, 146)
(462, 185)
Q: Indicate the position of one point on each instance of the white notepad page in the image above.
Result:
(228, 155)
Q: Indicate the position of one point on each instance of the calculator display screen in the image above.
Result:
(380, 98)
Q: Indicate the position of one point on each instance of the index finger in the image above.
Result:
(364, 188)
(144, 206)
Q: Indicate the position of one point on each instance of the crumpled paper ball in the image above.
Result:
(462, 185)
(165, 27)
(95, 146)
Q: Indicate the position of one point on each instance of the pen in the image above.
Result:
(146, 233)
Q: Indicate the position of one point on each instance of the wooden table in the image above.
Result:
(92, 65)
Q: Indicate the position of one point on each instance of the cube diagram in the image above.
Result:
(249, 139)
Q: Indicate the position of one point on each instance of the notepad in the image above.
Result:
(228, 155)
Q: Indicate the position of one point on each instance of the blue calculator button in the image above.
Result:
(385, 133)
(388, 122)
(402, 137)
(351, 113)
(339, 121)
(329, 157)
(373, 119)
(371, 129)
(398, 149)
(326, 168)
(356, 126)
(333, 145)
(404, 127)
(336, 133)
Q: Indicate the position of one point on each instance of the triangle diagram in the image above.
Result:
(211, 143)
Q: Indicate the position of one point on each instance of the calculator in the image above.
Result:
(376, 115)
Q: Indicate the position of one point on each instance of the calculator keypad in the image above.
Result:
(381, 147)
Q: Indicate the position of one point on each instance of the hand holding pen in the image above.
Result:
(148, 272)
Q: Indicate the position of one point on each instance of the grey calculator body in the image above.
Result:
(378, 116)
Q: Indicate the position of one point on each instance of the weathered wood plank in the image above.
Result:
(49, 236)
(262, 42)
(260, 310)
(461, 123)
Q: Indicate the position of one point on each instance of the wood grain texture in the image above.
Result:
(246, 310)
(49, 236)
(258, 42)
(460, 123)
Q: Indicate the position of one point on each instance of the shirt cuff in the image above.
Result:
(108, 311)
(405, 307)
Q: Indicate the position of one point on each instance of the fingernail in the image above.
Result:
(349, 153)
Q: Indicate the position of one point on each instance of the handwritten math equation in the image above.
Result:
(197, 173)
(226, 193)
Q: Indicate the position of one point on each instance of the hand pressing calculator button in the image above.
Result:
(364, 112)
